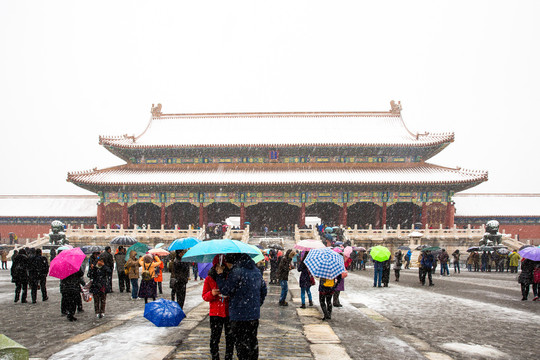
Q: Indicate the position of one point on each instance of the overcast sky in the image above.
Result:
(71, 71)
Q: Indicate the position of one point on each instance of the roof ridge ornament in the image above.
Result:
(395, 108)
(156, 110)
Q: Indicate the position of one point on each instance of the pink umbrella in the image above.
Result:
(66, 263)
(347, 252)
(338, 250)
(159, 252)
(305, 245)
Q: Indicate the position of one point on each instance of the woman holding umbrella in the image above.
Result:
(219, 312)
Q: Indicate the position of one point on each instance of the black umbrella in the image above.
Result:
(403, 247)
(473, 248)
(275, 246)
(486, 248)
(89, 249)
(503, 251)
(123, 240)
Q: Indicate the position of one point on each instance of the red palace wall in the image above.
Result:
(23, 231)
(525, 232)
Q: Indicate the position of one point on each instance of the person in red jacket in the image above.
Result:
(219, 313)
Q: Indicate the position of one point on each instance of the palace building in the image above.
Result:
(274, 169)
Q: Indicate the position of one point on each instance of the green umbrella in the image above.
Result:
(10, 349)
(259, 257)
(380, 253)
(139, 247)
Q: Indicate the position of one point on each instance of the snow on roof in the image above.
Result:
(264, 129)
(471, 204)
(48, 205)
(174, 175)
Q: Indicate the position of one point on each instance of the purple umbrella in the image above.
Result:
(531, 253)
(204, 268)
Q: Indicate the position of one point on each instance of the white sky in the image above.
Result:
(71, 71)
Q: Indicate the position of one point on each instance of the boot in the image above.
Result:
(310, 303)
(303, 306)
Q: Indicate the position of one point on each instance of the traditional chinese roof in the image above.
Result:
(278, 130)
(420, 174)
(498, 204)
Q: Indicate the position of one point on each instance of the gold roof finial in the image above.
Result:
(156, 110)
(395, 107)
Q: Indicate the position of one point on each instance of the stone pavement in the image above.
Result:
(282, 332)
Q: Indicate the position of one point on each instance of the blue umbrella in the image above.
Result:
(205, 251)
(324, 263)
(328, 229)
(204, 268)
(182, 244)
(164, 313)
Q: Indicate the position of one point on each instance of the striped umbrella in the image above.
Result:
(324, 263)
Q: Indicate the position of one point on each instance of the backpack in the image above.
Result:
(329, 283)
(146, 273)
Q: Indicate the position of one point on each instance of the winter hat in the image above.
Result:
(148, 258)
(218, 259)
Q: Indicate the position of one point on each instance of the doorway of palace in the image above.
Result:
(219, 211)
(145, 214)
(328, 212)
(275, 216)
(364, 214)
(183, 215)
(113, 214)
(436, 215)
(403, 214)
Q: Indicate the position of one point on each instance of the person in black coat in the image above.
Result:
(274, 261)
(108, 260)
(386, 272)
(19, 275)
(180, 272)
(526, 277)
(305, 282)
(284, 267)
(38, 269)
(327, 288)
(70, 288)
(101, 286)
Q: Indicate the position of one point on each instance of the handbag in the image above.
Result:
(311, 279)
(536, 275)
(85, 290)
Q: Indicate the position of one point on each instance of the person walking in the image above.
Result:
(246, 290)
(408, 259)
(526, 278)
(338, 289)
(108, 260)
(38, 269)
(377, 275)
(386, 272)
(219, 313)
(180, 272)
(485, 260)
(306, 281)
(470, 262)
(3, 256)
(19, 275)
(283, 275)
(476, 261)
(158, 279)
(148, 285)
(326, 292)
(398, 263)
(514, 261)
(100, 274)
(123, 278)
(444, 258)
(132, 265)
(70, 289)
(195, 270)
(274, 261)
(426, 264)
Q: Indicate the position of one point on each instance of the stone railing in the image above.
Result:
(303, 234)
(96, 236)
(239, 234)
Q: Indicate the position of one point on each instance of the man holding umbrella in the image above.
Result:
(246, 290)
(426, 263)
(123, 279)
(107, 258)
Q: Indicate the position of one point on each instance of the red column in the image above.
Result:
(450, 214)
(344, 215)
(169, 217)
(424, 215)
(125, 216)
(162, 213)
(302, 220)
(242, 215)
(100, 215)
(383, 215)
(201, 215)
